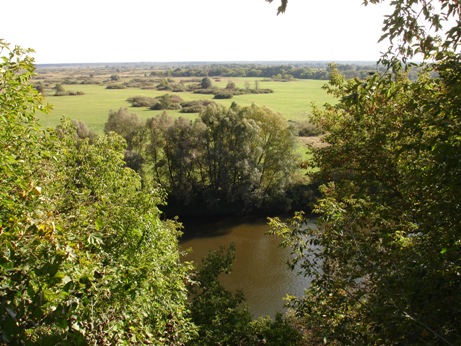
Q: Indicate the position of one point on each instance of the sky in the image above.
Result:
(96, 31)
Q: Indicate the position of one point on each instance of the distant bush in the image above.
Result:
(140, 83)
(179, 88)
(195, 106)
(116, 86)
(223, 95)
(231, 86)
(142, 101)
(260, 91)
(206, 83)
(167, 101)
(60, 91)
(75, 93)
(305, 129)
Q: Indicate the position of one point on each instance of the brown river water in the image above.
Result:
(259, 270)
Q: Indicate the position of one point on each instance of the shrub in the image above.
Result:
(205, 91)
(116, 86)
(231, 86)
(167, 101)
(223, 95)
(305, 129)
(260, 91)
(142, 101)
(195, 106)
(75, 93)
(206, 83)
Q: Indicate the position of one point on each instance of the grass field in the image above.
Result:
(291, 99)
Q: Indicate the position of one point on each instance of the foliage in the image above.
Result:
(197, 106)
(305, 128)
(83, 131)
(240, 158)
(231, 85)
(60, 91)
(278, 332)
(206, 83)
(129, 126)
(382, 274)
(223, 95)
(85, 258)
(116, 86)
(431, 29)
(142, 101)
(222, 317)
(385, 255)
(167, 101)
(284, 72)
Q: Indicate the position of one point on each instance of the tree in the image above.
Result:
(385, 255)
(276, 160)
(83, 249)
(206, 83)
(60, 91)
(181, 152)
(230, 145)
(131, 128)
(236, 159)
(157, 128)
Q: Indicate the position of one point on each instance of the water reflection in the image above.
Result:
(259, 270)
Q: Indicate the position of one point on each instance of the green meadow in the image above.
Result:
(292, 99)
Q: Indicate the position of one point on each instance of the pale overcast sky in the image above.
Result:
(193, 30)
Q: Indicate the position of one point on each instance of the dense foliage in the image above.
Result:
(385, 254)
(234, 160)
(84, 256)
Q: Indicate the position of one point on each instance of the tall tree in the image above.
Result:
(241, 157)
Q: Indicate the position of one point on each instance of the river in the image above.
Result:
(259, 270)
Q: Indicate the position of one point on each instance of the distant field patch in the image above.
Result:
(292, 99)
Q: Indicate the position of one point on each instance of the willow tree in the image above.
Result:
(385, 255)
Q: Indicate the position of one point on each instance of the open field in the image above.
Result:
(292, 99)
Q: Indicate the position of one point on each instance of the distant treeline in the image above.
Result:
(282, 72)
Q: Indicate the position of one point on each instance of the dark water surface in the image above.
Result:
(259, 270)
